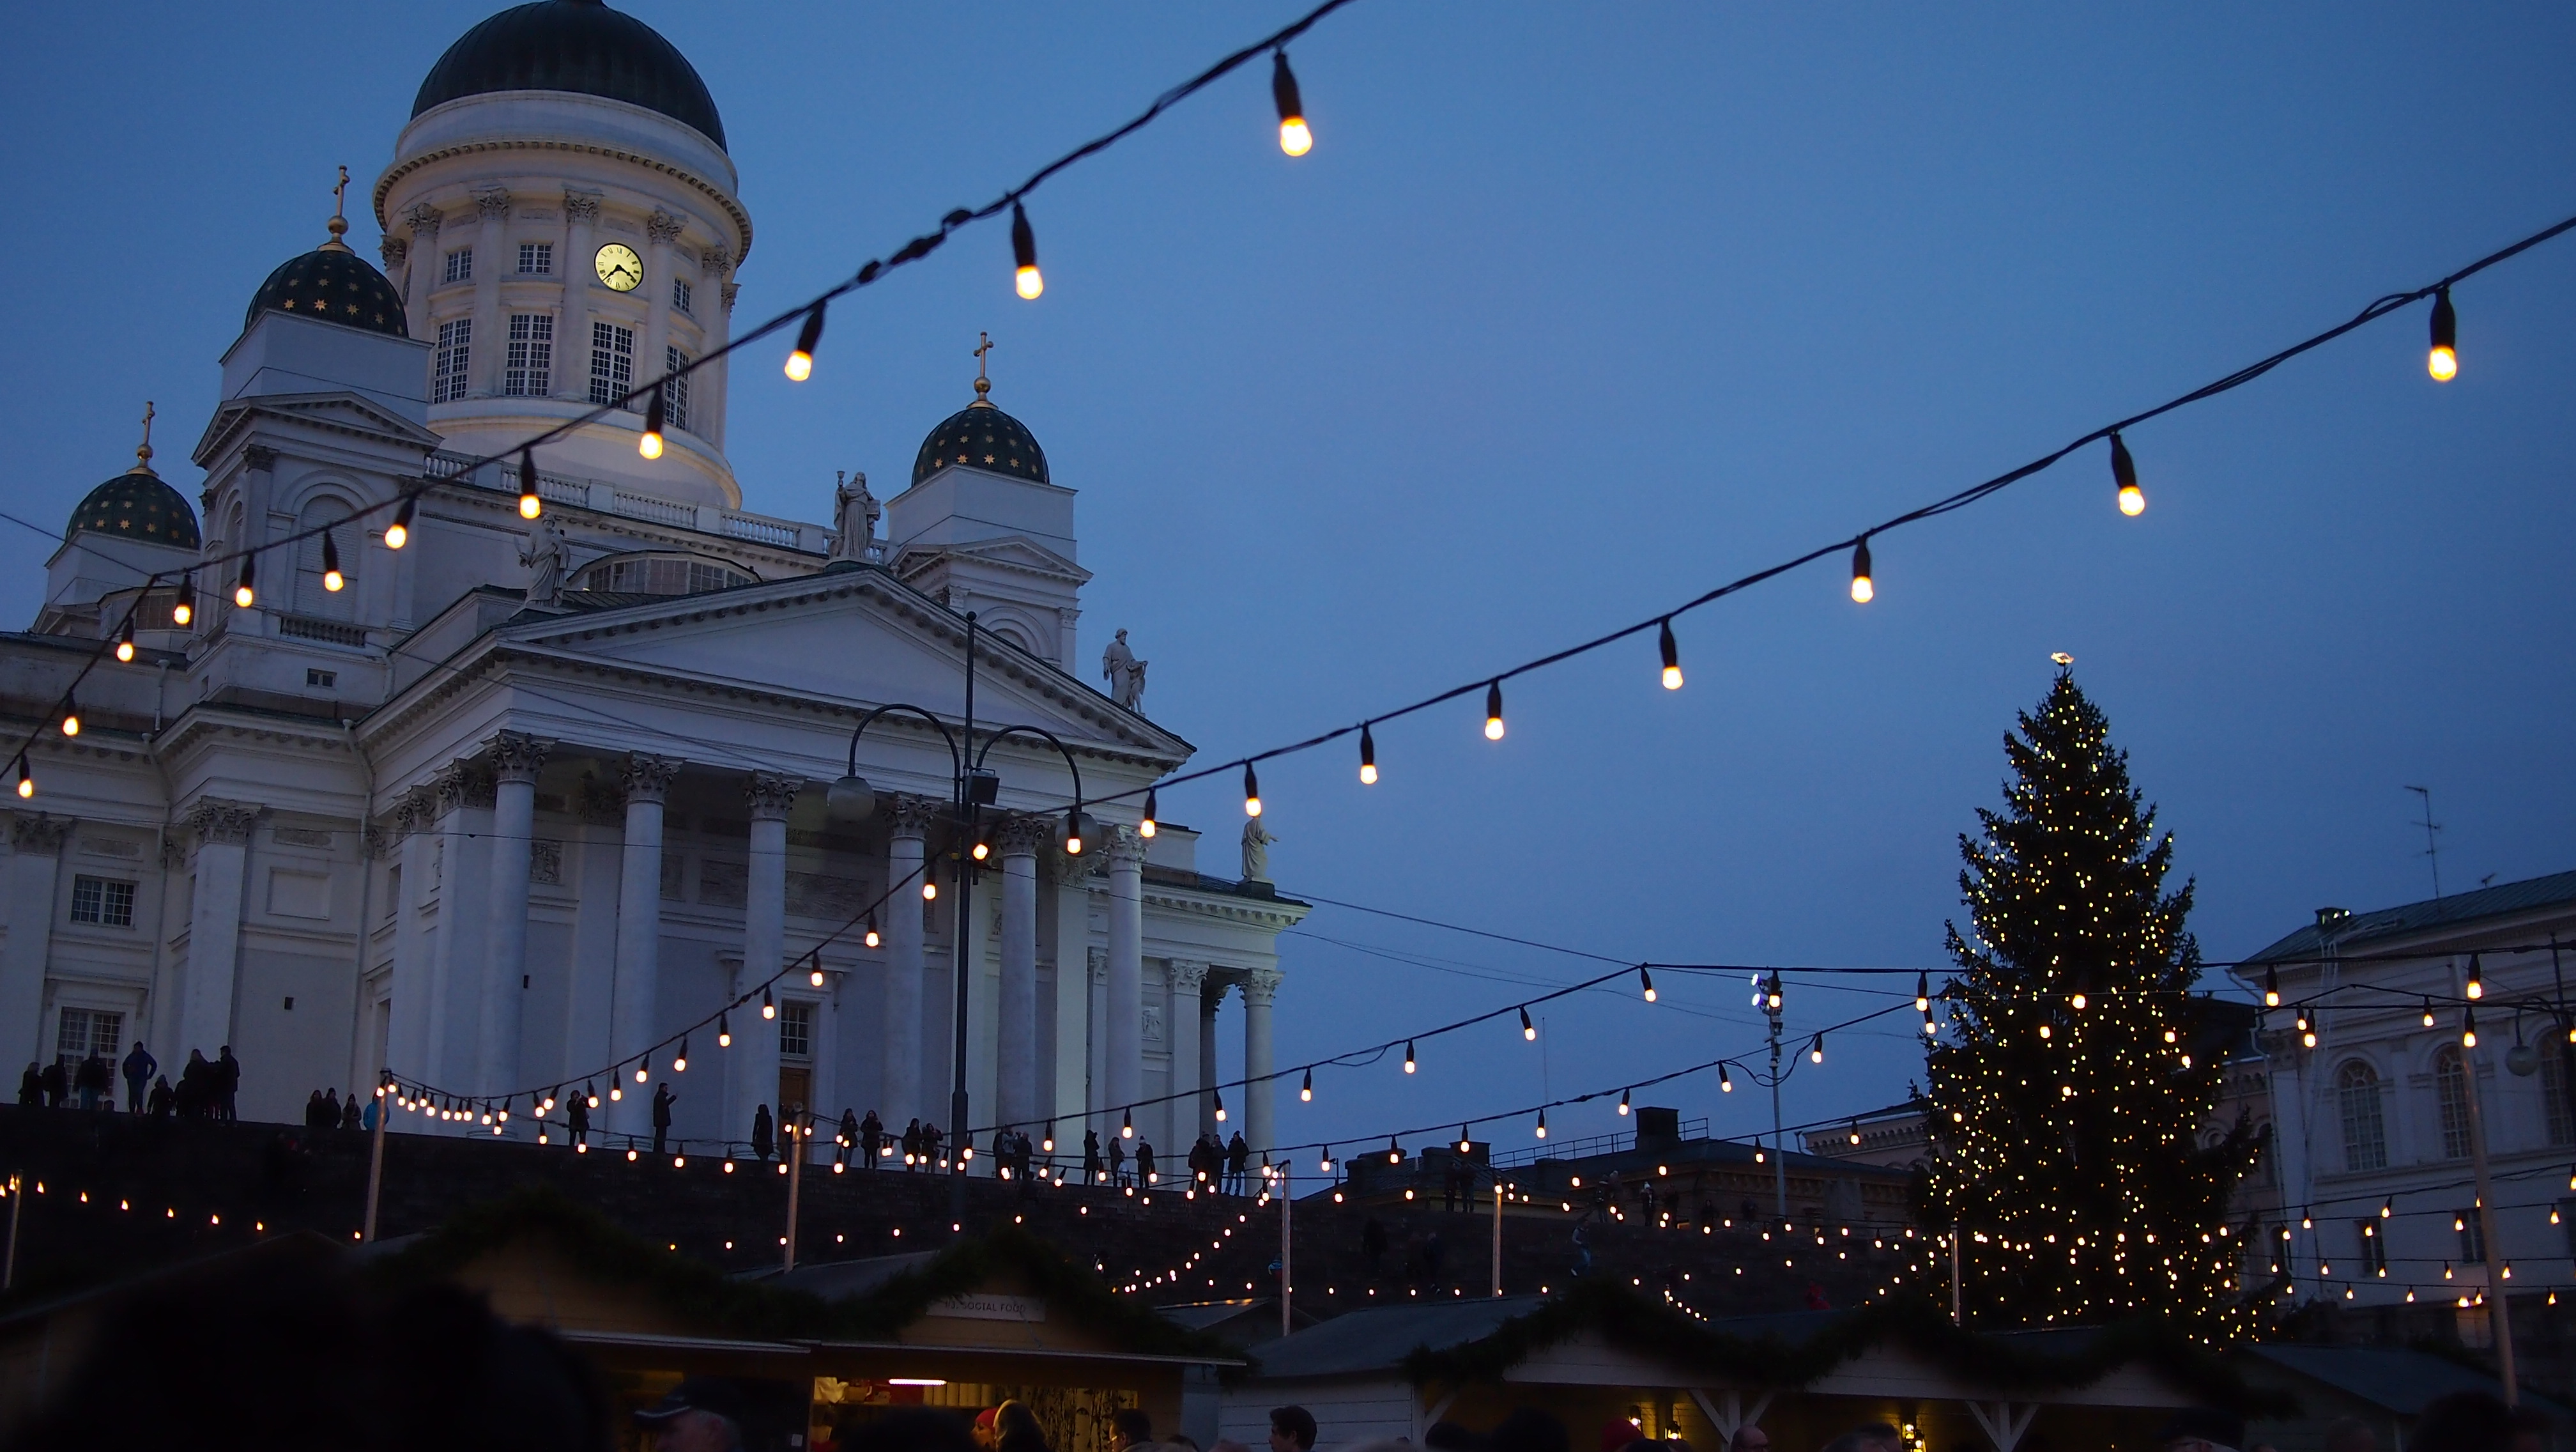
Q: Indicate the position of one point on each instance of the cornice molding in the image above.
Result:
(730, 207)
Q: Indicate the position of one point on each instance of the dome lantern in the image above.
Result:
(981, 436)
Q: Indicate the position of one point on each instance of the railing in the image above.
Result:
(606, 497)
(1590, 1145)
(329, 632)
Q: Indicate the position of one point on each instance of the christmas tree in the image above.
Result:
(2068, 1104)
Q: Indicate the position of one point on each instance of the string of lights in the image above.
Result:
(1296, 138)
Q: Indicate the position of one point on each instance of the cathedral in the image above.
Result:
(497, 804)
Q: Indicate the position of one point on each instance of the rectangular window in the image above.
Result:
(86, 1031)
(2554, 1083)
(2374, 1249)
(106, 901)
(447, 378)
(324, 679)
(795, 1030)
(675, 394)
(531, 365)
(2451, 1094)
(612, 362)
(681, 294)
(2365, 1132)
(2473, 1247)
(460, 266)
(537, 259)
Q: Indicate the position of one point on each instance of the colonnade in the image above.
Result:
(460, 984)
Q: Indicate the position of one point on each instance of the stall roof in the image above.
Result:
(1381, 1339)
(2397, 1380)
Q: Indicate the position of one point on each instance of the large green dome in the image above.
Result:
(580, 46)
(980, 436)
(137, 505)
(335, 285)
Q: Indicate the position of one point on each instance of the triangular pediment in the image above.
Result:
(339, 411)
(849, 638)
(1017, 553)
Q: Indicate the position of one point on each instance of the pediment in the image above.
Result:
(340, 411)
(849, 638)
(1010, 552)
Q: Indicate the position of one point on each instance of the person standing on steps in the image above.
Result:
(663, 1099)
(1238, 1162)
(872, 1138)
(139, 1068)
(577, 1120)
(848, 1138)
(912, 1145)
(1094, 1171)
(1118, 1161)
(227, 1084)
(760, 1134)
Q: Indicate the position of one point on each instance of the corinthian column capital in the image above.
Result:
(1260, 986)
(518, 757)
(771, 794)
(648, 778)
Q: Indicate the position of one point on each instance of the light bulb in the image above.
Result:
(1251, 792)
(71, 717)
(1863, 589)
(983, 850)
(1408, 1064)
(530, 506)
(1623, 1103)
(1529, 1030)
(1923, 993)
(1024, 256)
(680, 1060)
(1647, 980)
(2271, 988)
(1146, 827)
(815, 978)
(2444, 360)
(1368, 756)
(1494, 711)
(1306, 1090)
(1294, 136)
(398, 533)
(929, 886)
(1542, 1124)
(332, 580)
(643, 1070)
(768, 1005)
(27, 788)
(2124, 473)
(242, 593)
(724, 1032)
(2477, 987)
(650, 443)
(872, 938)
(183, 606)
(1672, 658)
(1816, 1050)
(800, 364)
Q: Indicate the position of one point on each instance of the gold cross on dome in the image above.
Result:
(339, 223)
(983, 382)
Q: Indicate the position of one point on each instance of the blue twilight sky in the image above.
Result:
(1572, 313)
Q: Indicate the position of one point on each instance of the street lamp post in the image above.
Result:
(972, 787)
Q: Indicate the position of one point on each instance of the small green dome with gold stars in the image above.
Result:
(980, 436)
(335, 285)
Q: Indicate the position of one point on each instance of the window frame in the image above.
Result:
(800, 1013)
(105, 901)
(528, 365)
(452, 361)
(675, 388)
(542, 254)
(2362, 1117)
(612, 361)
(2451, 1101)
(456, 266)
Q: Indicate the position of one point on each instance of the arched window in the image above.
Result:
(2451, 1092)
(2365, 1133)
(2554, 1080)
(311, 598)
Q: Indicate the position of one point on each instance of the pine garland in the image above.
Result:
(2070, 1102)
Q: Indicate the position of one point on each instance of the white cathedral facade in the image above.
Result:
(522, 799)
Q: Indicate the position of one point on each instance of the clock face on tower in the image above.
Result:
(619, 267)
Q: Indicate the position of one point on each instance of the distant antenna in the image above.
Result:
(2432, 846)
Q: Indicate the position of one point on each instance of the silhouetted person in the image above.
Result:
(227, 1083)
(930, 1141)
(662, 1100)
(351, 1116)
(761, 1138)
(1129, 1427)
(163, 1098)
(850, 1132)
(57, 1084)
(1238, 1161)
(94, 1080)
(912, 1159)
(872, 1137)
(139, 1068)
(1093, 1167)
(31, 1087)
(313, 1110)
(1118, 1160)
(1144, 1162)
(577, 1120)
(196, 1085)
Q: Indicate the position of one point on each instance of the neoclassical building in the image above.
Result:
(508, 803)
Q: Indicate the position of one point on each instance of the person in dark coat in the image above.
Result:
(196, 1085)
(1094, 1171)
(848, 1137)
(761, 1141)
(1145, 1162)
(313, 1110)
(871, 1139)
(912, 1145)
(31, 1087)
(57, 1084)
(577, 1122)
(351, 1116)
(1118, 1160)
(94, 1080)
(139, 1068)
(663, 1098)
(227, 1083)
(930, 1141)
(330, 1116)
(1238, 1161)
(163, 1098)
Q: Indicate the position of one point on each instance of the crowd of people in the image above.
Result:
(207, 1088)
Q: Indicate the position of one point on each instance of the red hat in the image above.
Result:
(984, 1419)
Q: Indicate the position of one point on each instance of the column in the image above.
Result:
(214, 925)
(1213, 995)
(715, 314)
(1182, 1118)
(764, 946)
(1126, 1052)
(424, 273)
(572, 328)
(591, 995)
(902, 1095)
(516, 759)
(1096, 1048)
(491, 242)
(33, 873)
(1072, 999)
(1016, 1098)
(407, 1036)
(460, 962)
(639, 938)
(661, 230)
(1260, 985)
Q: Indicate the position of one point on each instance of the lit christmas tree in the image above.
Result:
(2067, 1103)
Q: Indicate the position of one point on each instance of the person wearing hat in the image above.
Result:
(2202, 1429)
(984, 1433)
(701, 1414)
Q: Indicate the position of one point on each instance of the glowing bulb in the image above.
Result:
(1306, 1090)
(27, 788)
(1648, 980)
(929, 888)
(983, 850)
(650, 443)
(1024, 256)
(768, 1005)
(1408, 1068)
(335, 582)
(71, 720)
(184, 608)
(1529, 1030)
(815, 978)
(800, 364)
(242, 595)
(1863, 589)
(1294, 138)
(873, 939)
(1251, 792)
(2271, 988)
(398, 533)
(1368, 756)
(2477, 987)
(2124, 473)
(2444, 360)
(1494, 711)
(1146, 827)
(724, 1032)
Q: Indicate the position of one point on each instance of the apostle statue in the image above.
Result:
(546, 554)
(1256, 851)
(1125, 674)
(854, 513)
